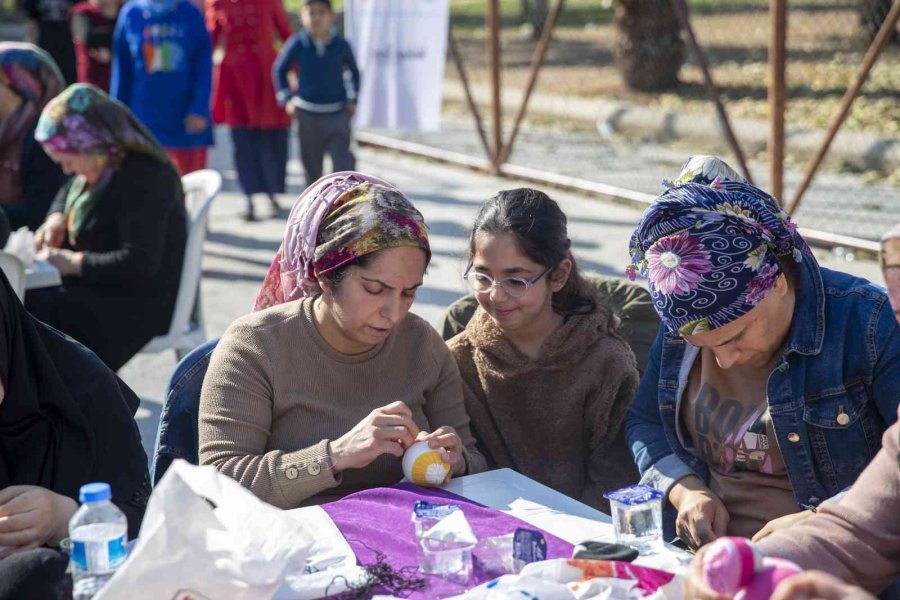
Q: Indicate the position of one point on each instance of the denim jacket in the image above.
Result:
(177, 436)
(841, 356)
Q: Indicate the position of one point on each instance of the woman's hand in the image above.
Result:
(816, 585)
(702, 518)
(780, 523)
(68, 262)
(448, 441)
(695, 587)
(387, 430)
(31, 516)
(52, 233)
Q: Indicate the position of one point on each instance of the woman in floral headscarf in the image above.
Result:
(28, 178)
(771, 379)
(116, 230)
(316, 394)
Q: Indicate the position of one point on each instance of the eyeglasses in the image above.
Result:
(515, 287)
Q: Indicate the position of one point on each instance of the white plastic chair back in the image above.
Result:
(14, 269)
(187, 330)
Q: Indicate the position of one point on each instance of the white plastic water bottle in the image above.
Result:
(99, 533)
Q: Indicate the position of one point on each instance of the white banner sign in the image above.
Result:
(400, 46)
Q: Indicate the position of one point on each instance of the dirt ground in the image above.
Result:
(825, 49)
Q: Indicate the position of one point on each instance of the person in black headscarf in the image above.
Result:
(65, 420)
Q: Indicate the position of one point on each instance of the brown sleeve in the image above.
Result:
(858, 538)
(481, 421)
(236, 419)
(609, 464)
(444, 403)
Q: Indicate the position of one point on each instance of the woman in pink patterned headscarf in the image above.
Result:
(319, 391)
(292, 275)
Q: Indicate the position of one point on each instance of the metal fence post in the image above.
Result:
(776, 93)
(536, 63)
(684, 19)
(467, 88)
(493, 48)
(872, 54)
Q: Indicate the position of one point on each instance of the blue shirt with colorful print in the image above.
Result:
(162, 69)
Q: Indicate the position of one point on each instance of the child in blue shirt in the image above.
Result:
(162, 70)
(325, 100)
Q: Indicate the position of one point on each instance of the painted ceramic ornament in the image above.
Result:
(425, 466)
(729, 565)
(774, 571)
(733, 566)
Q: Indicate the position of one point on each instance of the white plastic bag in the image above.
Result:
(330, 565)
(204, 535)
(21, 244)
(562, 579)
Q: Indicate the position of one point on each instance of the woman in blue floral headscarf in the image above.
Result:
(116, 230)
(771, 379)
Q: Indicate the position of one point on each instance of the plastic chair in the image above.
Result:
(14, 269)
(187, 330)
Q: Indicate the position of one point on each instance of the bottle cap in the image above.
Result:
(634, 495)
(94, 492)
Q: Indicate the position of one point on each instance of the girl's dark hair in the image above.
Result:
(540, 231)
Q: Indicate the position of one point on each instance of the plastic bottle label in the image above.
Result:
(99, 556)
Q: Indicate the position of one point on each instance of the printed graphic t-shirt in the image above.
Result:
(726, 416)
(162, 70)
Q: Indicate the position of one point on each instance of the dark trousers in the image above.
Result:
(260, 157)
(321, 133)
(108, 320)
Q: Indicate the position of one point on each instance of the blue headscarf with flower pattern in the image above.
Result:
(710, 247)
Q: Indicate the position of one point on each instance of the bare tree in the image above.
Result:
(534, 12)
(649, 48)
(871, 15)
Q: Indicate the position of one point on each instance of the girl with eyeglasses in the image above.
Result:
(547, 380)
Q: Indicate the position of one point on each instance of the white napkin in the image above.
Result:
(21, 244)
(453, 528)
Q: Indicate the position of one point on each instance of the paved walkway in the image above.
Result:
(237, 254)
(842, 203)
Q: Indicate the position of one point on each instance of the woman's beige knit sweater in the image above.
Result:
(276, 393)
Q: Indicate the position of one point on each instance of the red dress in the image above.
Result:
(243, 93)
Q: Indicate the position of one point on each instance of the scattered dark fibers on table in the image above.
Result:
(381, 578)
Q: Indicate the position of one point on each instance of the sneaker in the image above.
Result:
(248, 215)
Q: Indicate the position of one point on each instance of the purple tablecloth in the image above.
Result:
(381, 519)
